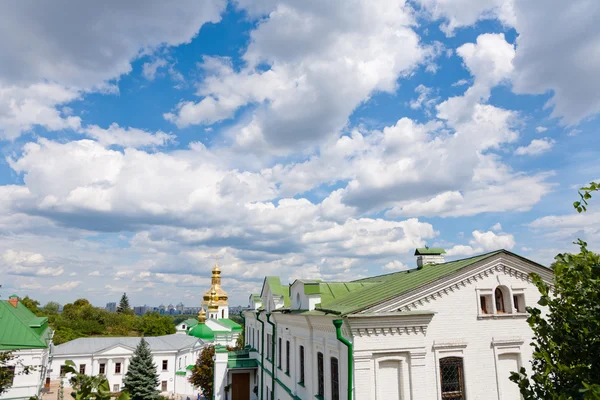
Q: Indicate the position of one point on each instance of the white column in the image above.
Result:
(220, 373)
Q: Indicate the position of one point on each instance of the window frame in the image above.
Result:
(165, 365)
(102, 368)
(461, 394)
(117, 365)
(82, 369)
(279, 348)
(335, 378)
(163, 386)
(287, 357)
(301, 360)
(320, 375)
(499, 295)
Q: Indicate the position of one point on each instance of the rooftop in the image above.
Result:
(21, 329)
(93, 345)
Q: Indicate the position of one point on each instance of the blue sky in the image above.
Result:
(301, 139)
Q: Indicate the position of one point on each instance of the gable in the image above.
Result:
(502, 269)
(116, 350)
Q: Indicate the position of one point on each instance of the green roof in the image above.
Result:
(190, 367)
(429, 251)
(234, 326)
(190, 322)
(202, 331)
(180, 373)
(384, 287)
(278, 289)
(21, 329)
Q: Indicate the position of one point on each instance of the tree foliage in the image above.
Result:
(566, 343)
(8, 364)
(203, 372)
(123, 307)
(89, 387)
(141, 380)
(32, 305)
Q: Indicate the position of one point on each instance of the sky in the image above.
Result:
(317, 139)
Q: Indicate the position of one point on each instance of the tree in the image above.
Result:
(32, 305)
(123, 307)
(154, 324)
(566, 342)
(89, 387)
(203, 372)
(141, 379)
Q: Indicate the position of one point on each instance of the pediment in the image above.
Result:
(499, 265)
(118, 349)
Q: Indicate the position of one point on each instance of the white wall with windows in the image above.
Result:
(28, 385)
(456, 338)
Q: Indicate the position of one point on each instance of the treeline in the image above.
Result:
(81, 319)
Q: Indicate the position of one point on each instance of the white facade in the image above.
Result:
(28, 385)
(111, 356)
(401, 344)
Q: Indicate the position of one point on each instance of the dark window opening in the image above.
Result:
(335, 381)
(484, 306)
(117, 368)
(279, 354)
(452, 378)
(499, 301)
(82, 369)
(287, 357)
(102, 369)
(302, 365)
(321, 383)
(165, 365)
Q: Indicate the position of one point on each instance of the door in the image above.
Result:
(240, 386)
(47, 384)
(508, 363)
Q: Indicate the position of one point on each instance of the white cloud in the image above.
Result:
(128, 137)
(27, 264)
(323, 62)
(395, 265)
(483, 242)
(149, 69)
(95, 273)
(536, 147)
(497, 227)
(64, 58)
(30, 286)
(541, 129)
(65, 286)
(424, 99)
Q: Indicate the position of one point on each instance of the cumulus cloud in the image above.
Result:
(483, 242)
(395, 265)
(150, 68)
(65, 286)
(127, 137)
(536, 147)
(323, 60)
(64, 58)
(27, 264)
(541, 129)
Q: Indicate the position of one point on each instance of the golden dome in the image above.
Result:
(202, 316)
(215, 295)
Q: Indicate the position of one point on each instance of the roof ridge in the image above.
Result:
(11, 310)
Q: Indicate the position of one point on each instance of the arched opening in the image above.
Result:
(298, 303)
(499, 297)
(223, 313)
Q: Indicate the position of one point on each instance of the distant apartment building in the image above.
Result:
(141, 310)
(111, 307)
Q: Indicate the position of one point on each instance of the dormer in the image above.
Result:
(255, 302)
(305, 294)
(429, 255)
(274, 295)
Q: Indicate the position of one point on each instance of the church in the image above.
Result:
(442, 330)
(174, 355)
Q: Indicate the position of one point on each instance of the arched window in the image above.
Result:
(298, 300)
(499, 301)
(452, 380)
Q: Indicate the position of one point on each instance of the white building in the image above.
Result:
(29, 338)
(174, 355)
(451, 330)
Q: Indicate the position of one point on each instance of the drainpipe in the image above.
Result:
(338, 331)
(273, 369)
(243, 322)
(262, 350)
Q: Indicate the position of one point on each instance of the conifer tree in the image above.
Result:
(123, 307)
(141, 380)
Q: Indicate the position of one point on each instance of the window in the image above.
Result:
(183, 326)
(335, 379)
(320, 382)
(163, 386)
(279, 354)
(165, 365)
(102, 369)
(269, 340)
(519, 303)
(117, 368)
(301, 365)
(62, 370)
(179, 362)
(82, 369)
(287, 357)
(116, 387)
(222, 313)
(452, 378)
(10, 376)
(484, 305)
(499, 301)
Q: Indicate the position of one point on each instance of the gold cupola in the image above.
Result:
(202, 316)
(215, 295)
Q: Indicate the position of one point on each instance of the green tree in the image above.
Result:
(566, 342)
(203, 372)
(154, 324)
(32, 305)
(141, 380)
(89, 387)
(123, 307)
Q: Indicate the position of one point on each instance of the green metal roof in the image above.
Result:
(278, 289)
(384, 287)
(241, 363)
(21, 329)
(429, 251)
(190, 367)
(202, 331)
(180, 373)
(234, 326)
(190, 322)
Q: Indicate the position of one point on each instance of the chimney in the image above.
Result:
(14, 300)
(426, 255)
